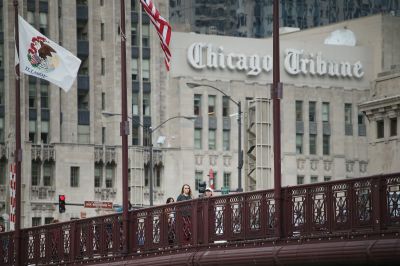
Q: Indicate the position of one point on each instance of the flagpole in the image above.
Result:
(124, 133)
(18, 150)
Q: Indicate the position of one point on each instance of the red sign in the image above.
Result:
(98, 204)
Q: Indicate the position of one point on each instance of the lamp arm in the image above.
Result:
(174, 117)
(215, 88)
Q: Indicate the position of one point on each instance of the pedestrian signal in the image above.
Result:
(202, 187)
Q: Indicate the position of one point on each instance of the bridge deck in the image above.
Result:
(361, 212)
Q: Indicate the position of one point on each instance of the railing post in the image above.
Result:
(194, 222)
(285, 216)
(205, 228)
(330, 216)
(377, 203)
(73, 239)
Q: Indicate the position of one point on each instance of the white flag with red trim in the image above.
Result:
(41, 57)
(162, 26)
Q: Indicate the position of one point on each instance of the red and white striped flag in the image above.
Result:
(13, 187)
(162, 26)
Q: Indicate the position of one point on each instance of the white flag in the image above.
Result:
(45, 59)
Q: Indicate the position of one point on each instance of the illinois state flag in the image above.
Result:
(45, 59)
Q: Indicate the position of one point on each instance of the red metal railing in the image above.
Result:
(325, 210)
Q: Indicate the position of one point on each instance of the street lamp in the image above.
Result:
(239, 105)
(149, 132)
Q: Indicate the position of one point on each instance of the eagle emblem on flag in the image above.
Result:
(42, 56)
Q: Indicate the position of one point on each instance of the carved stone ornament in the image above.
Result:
(300, 164)
(213, 159)
(327, 165)
(314, 164)
(227, 160)
(349, 166)
(198, 159)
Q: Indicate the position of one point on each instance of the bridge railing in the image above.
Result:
(367, 205)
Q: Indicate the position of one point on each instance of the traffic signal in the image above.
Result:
(61, 203)
(202, 187)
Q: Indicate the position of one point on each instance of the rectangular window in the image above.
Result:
(3, 173)
(44, 96)
(32, 95)
(1, 50)
(146, 69)
(103, 66)
(43, 23)
(48, 174)
(314, 179)
(157, 173)
(146, 104)
(325, 112)
(48, 220)
(135, 135)
(98, 175)
(197, 105)
(211, 105)
(313, 144)
(225, 106)
(134, 39)
(103, 101)
(83, 134)
(198, 177)
(32, 131)
(44, 135)
(311, 111)
(102, 31)
(299, 143)
(300, 180)
(103, 135)
(35, 172)
(135, 103)
(134, 69)
(36, 221)
(348, 119)
(393, 126)
(226, 139)
(362, 131)
(197, 139)
(146, 35)
(1, 92)
(326, 144)
(212, 139)
(348, 113)
(74, 177)
(1, 129)
(327, 178)
(227, 180)
(380, 131)
(299, 110)
(109, 176)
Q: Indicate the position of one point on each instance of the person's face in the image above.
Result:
(186, 190)
(208, 193)
(171, 201)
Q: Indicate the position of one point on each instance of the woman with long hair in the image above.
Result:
(186, 193)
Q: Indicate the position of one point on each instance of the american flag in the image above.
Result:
(162, 26)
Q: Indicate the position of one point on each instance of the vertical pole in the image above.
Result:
(124, 133)
(150, 137)
(18, 151)
(276, 87)
(240, 154)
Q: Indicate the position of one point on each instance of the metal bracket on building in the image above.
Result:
(279, 90)
(124, 128)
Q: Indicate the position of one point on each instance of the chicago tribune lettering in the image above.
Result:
(205, 55)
